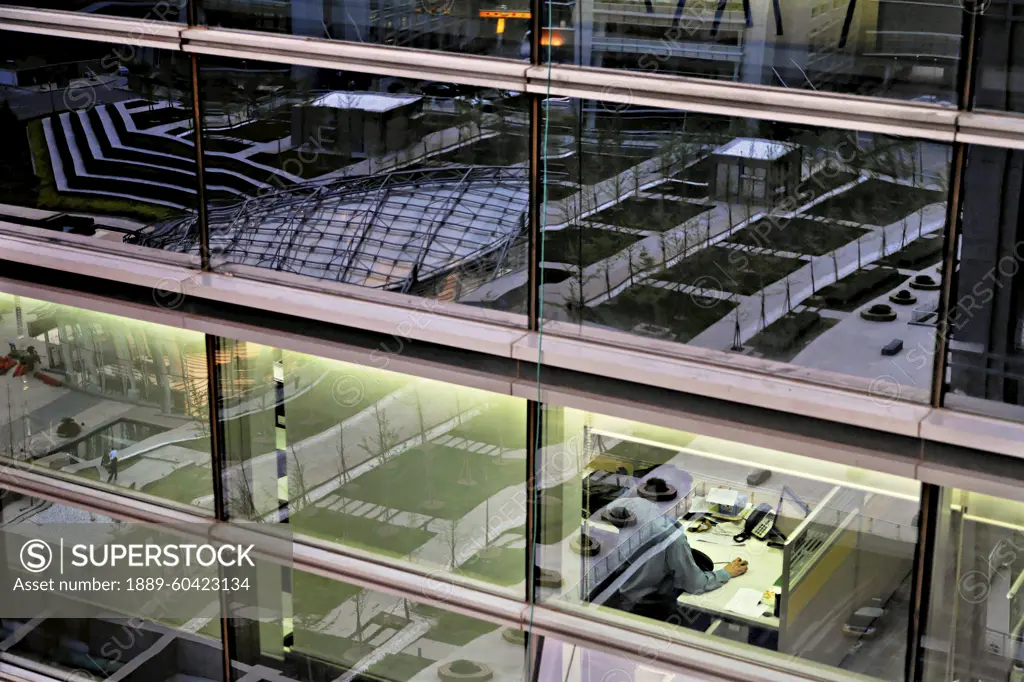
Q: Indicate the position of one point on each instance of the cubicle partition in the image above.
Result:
(853, 553)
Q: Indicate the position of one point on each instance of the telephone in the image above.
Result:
(759, 523)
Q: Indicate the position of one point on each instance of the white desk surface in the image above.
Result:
(763, 569)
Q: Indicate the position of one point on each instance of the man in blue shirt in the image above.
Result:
(112, 475)
(652, 588)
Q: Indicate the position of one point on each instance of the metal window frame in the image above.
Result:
(693, 371)
(847, 112)
(672, 649)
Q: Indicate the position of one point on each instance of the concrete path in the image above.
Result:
(818, 273)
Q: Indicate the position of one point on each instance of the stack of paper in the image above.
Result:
(746, 602)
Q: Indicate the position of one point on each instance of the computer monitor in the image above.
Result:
(790, 512)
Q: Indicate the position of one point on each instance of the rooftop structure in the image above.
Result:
(390, 230)
(754, 148)
(367, 101)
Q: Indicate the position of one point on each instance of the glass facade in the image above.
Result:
(867, 266)
(635, 524)
(339, 630)
(1000, 59)
(464, 27)
(387, 183)
(79, 386)
(425, 472)
(98, 136)
(878, 47)
(794, 244)
(976, 612)
(343, 631)
(642, 520)
(161, 10)
(986, 336)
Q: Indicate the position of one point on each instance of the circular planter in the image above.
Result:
(464, 669)
(879, 312)
(68, 428)
(903, 297)
(657, 490)
(432, 505)
(545, 577)
(620, 517)
(585, 545)
(924, 283)
(513, 636)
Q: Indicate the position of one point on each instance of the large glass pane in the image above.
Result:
(908, 50)
(385, 183)
(787, 554)
(96, 136)
(150, 10)
(344, 632)
(466, 27)
(77, 386)
(1000, 47)
(986, 340)
(412, 469)
(761, 240)
(156, 647)
(976, 614)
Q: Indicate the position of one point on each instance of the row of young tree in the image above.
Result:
(840, 159)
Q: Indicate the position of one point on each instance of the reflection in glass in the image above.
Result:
(804, 245)
(343, 632)
(788, 554)
(975, 627)
(384, 183)
(416, 470)
(872, 47)
(93, 136)
(1000, 56)
(77, 386)
(485, 28)
(101, 648)
(148, 10)
(986, 344)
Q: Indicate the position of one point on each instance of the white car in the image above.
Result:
(864, 621)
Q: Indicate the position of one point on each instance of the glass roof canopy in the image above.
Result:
(390, 230)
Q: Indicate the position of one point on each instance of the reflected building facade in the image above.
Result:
(516, 353)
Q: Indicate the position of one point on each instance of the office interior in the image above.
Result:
(840, 540)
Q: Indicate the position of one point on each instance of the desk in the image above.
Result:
(764, 568)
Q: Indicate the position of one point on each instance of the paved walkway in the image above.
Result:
(854, 345)
(818, 273)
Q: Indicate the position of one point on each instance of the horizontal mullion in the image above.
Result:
(687, 372)
(426, 323)
(992, 130)
(149, 32)
(379, 59)
(744, 100)
(676, 650)
(671, 647)
(848, 112)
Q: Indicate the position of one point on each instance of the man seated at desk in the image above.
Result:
(653, 586)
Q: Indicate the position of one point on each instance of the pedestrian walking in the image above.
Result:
(112, 476)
